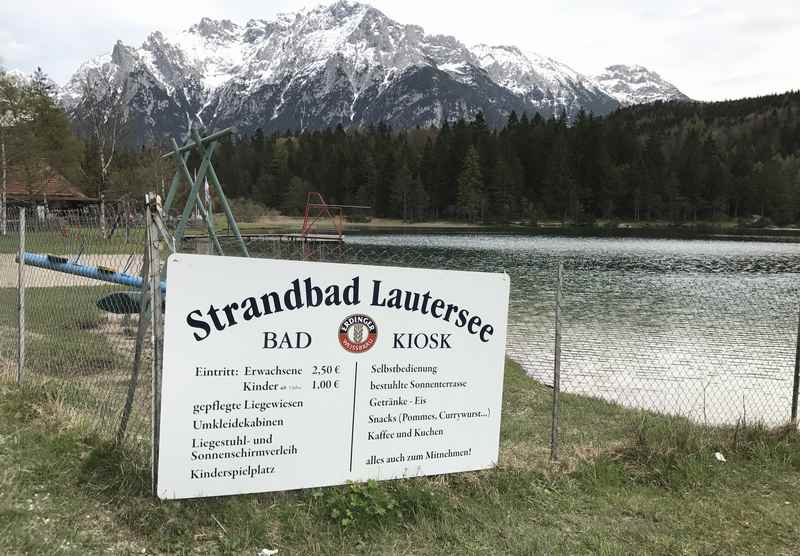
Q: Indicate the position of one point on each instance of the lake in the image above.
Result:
(705, 329)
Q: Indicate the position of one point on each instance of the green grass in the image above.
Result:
(64, 329)
(74, 240)
(82, 354)
(629, 483)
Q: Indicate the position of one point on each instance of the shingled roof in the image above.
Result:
(51, 185)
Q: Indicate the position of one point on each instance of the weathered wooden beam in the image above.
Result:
(21, 298)
(198, 142)
(195, 187)
(212, 177)
(157, 338)
(141, 330)
(176, 182)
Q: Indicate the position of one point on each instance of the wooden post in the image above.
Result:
(156, 337)
(21, 298)
(796, 387)
(556, 422)
(141, 330)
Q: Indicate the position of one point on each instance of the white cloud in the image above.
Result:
(711, 49)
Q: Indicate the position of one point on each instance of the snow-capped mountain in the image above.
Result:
(637, 85)
(346, 63)
(544, 83)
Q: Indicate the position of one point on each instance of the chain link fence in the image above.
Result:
(708, 337)
(711, 341)
(82, 354)
(716, 347)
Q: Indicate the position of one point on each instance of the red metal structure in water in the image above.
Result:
(317, 209)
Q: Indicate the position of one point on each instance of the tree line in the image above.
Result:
(670, 161)
(36, 136)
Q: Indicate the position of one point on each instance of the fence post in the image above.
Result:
(144, 311)
(555, 429)
(796, 386)
(153, 241)
(21, 298)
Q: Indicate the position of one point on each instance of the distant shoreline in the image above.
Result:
(642, 230)
(765, 235)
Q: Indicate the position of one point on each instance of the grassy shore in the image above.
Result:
(629, 483)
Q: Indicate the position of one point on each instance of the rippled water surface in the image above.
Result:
(699, 328)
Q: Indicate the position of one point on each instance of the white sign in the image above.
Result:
(280, 375)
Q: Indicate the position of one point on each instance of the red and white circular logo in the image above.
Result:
(358, 333)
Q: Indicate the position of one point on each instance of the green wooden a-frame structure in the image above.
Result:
(204, 147)
(152, 287)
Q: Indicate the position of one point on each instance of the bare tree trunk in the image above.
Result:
(126, 208)
(104, 105)
(102, 193)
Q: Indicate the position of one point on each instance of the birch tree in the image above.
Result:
(103, 111)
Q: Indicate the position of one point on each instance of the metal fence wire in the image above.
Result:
(81, 353)
(9, 244)
(716, 347)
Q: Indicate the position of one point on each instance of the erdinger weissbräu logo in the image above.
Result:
(358, 333)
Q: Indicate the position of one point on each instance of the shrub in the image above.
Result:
(247, 210)
(358, 218)
(369, 504)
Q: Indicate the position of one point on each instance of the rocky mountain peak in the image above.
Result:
(344, 63)
(123, 56)
(214, 29)
(635, 84)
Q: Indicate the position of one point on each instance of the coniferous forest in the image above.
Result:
(667, 161)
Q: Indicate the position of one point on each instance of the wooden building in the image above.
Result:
(49, 191)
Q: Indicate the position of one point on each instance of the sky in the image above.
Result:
(710, 49)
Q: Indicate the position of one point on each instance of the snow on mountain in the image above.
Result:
(545, 83)
(346, 63)
(637, 85)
